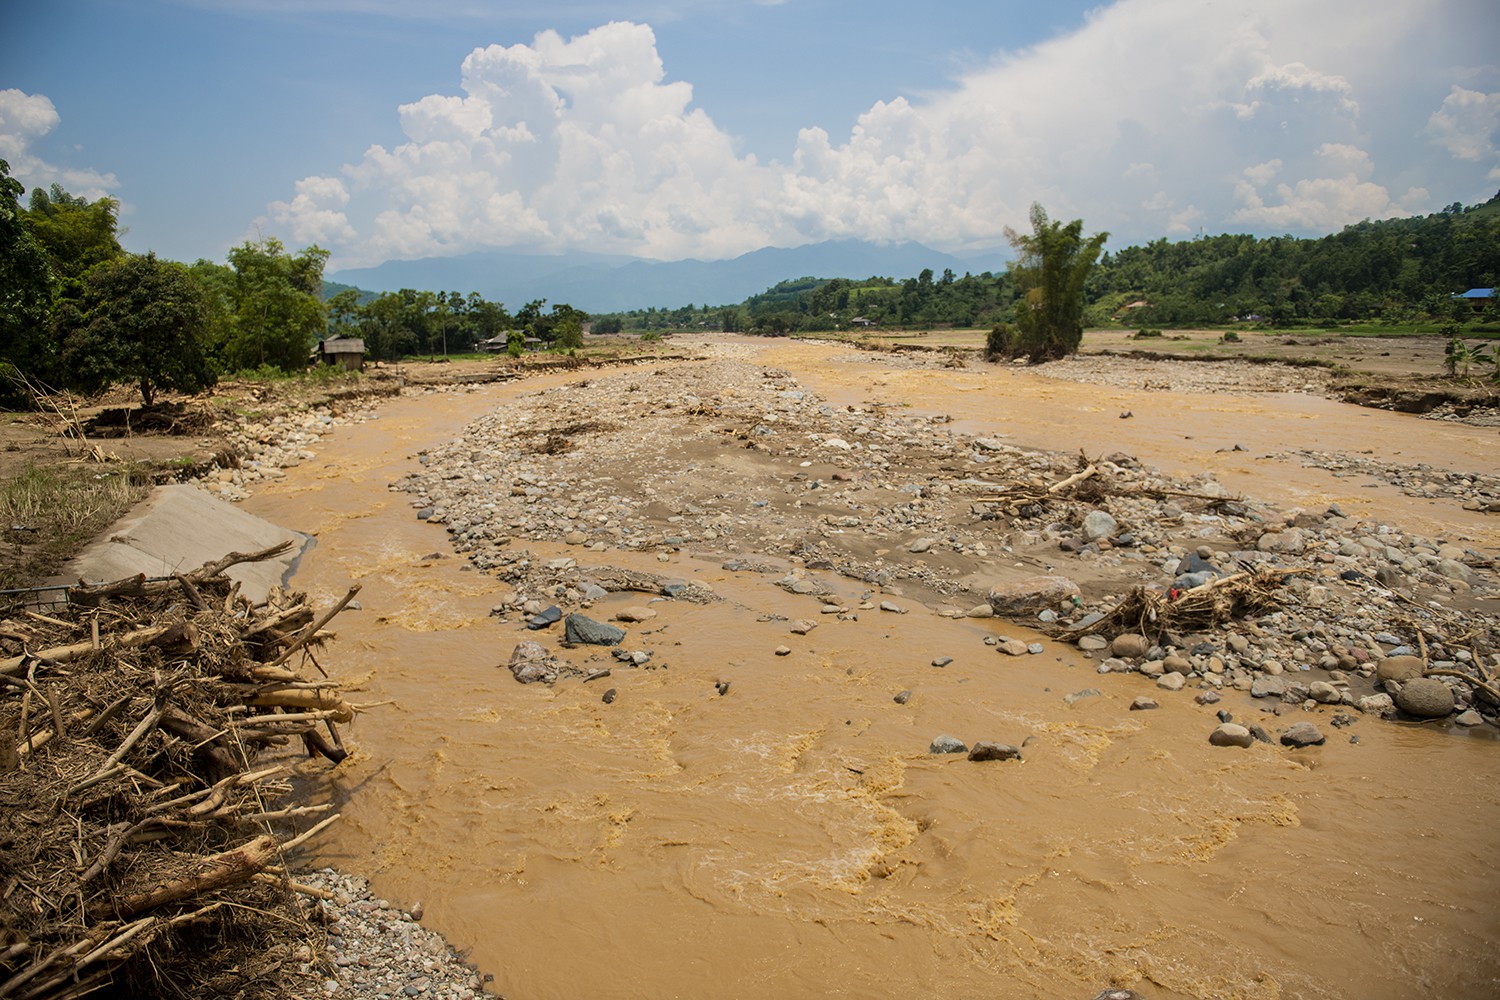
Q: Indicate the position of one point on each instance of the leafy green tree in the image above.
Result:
(76, 233)
(380, 326)
(277, 310)
(1052, 264)
(567, 326)
(144, 321)
(26, 287)
(487, 319)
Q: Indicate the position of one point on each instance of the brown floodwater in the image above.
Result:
(793, 837)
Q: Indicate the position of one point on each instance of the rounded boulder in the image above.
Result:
(1399, 668)
(1426, 698)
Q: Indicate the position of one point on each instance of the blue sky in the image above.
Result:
(707, 128)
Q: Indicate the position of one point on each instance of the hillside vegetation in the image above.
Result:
(1392, 272)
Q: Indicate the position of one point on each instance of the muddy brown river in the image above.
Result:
(794, 838)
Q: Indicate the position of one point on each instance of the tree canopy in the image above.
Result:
(143, 320)
(76, 233)
(25, 290)
(277, 305)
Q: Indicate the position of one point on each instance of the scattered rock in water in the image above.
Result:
(1229, 734)
(1131, 645)
(1093, 643)
(609, 697)
(1028, 596)
(1425, 698)
(1303, 734)
(584, 630)
(1143, 704)
(635, 614)
(722, 687)
(802, 626)
(1120, 995)
(1012, 647)
(1468, 717)
(902, 697)
(1080, 695)
(542, 619)
(947, 744)
(892, 607)
(530, 662)
(942, 661)
(1207, 697)
(1035, 648)
(984, 750)
(783, 650)
(1171, 681)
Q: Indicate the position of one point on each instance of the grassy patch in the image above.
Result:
(47, 512)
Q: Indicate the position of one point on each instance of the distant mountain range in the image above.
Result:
(601, 283)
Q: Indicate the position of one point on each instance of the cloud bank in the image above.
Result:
(26, 118)
(1154, 118)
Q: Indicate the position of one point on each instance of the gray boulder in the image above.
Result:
(1098, 524)
(1267, 687)
(1426, 698)
(581, 629)
(1028, 596)
(947, 744)
(530, 662)
(1303, 734)
(1399, 668)
(1229, 734)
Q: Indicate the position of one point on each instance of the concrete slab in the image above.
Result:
(179, 528)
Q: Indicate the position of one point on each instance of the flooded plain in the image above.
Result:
(793, 837)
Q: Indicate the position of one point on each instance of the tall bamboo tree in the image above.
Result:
(1052, 263)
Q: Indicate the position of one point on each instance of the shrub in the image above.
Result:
(1001, 342)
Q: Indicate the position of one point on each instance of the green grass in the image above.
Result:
(57, 509)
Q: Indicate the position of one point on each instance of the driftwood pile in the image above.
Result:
(147, 731)
(1151, 613)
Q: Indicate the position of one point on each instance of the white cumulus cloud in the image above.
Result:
(1152, 118)
(25, 118)
(1468, 127)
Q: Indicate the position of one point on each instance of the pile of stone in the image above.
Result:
(373, 950)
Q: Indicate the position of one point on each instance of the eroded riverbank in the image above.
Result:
(793, 836)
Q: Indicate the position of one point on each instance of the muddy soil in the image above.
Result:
(742, 806)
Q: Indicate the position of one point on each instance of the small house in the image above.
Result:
(347, 353)
(1479, 298)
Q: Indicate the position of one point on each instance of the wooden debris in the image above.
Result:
(133, 722)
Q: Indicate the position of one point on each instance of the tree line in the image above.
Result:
(1395, 271)
(78, 312)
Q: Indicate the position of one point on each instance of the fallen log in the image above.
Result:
(213, 872)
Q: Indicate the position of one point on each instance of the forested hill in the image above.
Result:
(1392, 271)
(1395, 269)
